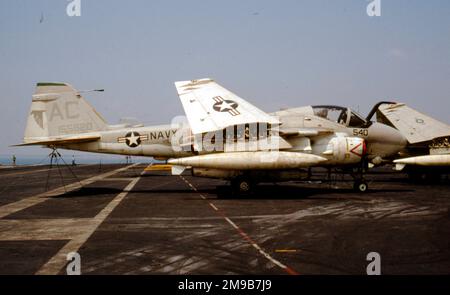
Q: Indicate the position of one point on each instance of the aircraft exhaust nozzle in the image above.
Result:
(250, 160)
(428, 160)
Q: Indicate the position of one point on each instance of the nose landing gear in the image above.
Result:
(360, 185)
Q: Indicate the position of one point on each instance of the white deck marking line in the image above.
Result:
(118, 179)
(35, 171)
(34, 200)
(232, 223)
(251, 242)
(57, 262)
(24, 172)
(43, 229)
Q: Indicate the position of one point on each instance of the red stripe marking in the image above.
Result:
(287, 269)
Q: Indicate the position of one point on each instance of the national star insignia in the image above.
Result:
(225, 105)
(132, 139)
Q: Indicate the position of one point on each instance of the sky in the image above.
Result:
(275, 54)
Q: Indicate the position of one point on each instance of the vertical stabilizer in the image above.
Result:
(57, 109)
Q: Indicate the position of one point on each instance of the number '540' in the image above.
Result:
(360, 132)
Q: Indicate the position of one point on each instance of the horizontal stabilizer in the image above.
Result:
(62, 141)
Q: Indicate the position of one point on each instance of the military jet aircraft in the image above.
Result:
(226, 136)
(428, 150)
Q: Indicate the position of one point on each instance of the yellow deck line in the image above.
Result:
(158, 167)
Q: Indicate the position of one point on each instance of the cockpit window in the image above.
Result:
(332, 113)
(339, 115)
(356, 120)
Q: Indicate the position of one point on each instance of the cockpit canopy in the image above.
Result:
(341, 115)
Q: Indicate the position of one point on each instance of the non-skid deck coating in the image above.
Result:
(122, 219)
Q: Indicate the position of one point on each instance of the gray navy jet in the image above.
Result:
(224, 137)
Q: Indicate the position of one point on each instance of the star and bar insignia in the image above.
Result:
(132, 139)
(225, 105)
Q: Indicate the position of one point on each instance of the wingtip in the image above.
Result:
(193, 82)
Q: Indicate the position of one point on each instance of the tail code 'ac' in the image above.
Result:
(57, 109)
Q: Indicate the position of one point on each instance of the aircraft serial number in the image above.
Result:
(360, 132)
(75, 128)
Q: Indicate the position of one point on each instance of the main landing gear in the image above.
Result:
(242, 186)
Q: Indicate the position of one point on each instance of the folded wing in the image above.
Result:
(210, 107)
(415, 126)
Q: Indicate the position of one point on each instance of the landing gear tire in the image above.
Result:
(360, 186)
(242, 186)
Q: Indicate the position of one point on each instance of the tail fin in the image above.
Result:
(57, 109)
